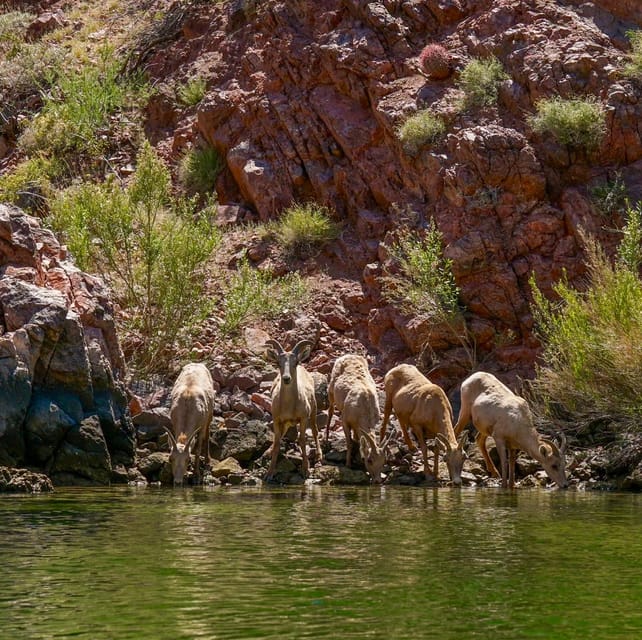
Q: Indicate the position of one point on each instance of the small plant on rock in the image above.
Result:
(304, 228)
(199, 170)
(610, 197)
(576, 122)
(435, 61)
(192, 92)
(420, 130)
(480, 80)
(634, 68)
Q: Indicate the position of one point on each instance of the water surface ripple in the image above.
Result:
(319, 562)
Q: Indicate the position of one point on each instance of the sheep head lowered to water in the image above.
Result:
(423, 408)
(498, 412)
(293, 400)
(192, 405)
(353, 392)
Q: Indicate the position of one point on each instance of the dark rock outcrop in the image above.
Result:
(63, 408)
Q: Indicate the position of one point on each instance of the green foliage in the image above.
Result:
(303, 228)
(611, 197)
(593, 339)
(423, 281)
(254, 294)
(76, 113)
(149, 246)
(30, 176)
(634, 68)
(192, 92)
(422, 129)
(199, 170)
(577, 122)
(479, 81)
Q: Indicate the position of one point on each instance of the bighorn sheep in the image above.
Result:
(293, 399)
(192, 404)
(497, 412)
(423, 407)
(352, 390)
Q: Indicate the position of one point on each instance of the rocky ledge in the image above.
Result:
(63, 407)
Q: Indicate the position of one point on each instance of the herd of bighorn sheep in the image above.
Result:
(421, 407)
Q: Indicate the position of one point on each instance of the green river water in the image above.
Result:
(320, 562)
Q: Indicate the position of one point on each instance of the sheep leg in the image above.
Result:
(387, 410)
(424, 453)
(347, 431)
(197, 459)
(512, 457)
(276, 443)
(436, 460)
(315, 433)
(406, 437)
(305, 463)
(330, 414)
(503, 460)
(490, 465)
(463, 419)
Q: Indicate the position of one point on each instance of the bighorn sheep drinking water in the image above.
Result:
(423, 407)
(192, 404)
(293, 399)
(497, 412)
(352, 390)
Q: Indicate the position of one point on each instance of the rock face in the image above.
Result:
(62, 407)
(305, 98)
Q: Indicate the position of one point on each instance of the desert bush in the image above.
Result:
(76, 112)
(199, 169)
(192, 92)
(577, 122)
(634, 67)
(435, 61)
(303, 228)
(421, 280)
(592, 339)
(420, 130)
(610, 197)
(29, 179)
(480, 80)
(149, 246)
(256, 294)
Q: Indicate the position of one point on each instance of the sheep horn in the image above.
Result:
(370, 439)
(275, 345)
(441, 438)
(171, 435)
(562, 446)
(192, 438)
(388, 439)
(554, 448)
(302, 344)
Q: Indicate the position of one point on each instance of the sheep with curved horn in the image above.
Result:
(293, 400)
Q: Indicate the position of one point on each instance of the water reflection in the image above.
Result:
(375, 562)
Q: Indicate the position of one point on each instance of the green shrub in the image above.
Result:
(302, 229)
(577, 122)
(192, 92)
(199, 170)
(634, 68)
(610, 197)
(253, 294)
(422, 281)
(150, 247)
(76, 113)
(592, 339)
(480, 80)
(32, 176)
(420, 130)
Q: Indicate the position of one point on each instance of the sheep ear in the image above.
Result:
(273, 349)
(302, 350)
(441, 439)
(272, 355)
(544, 450)
(364, 447)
